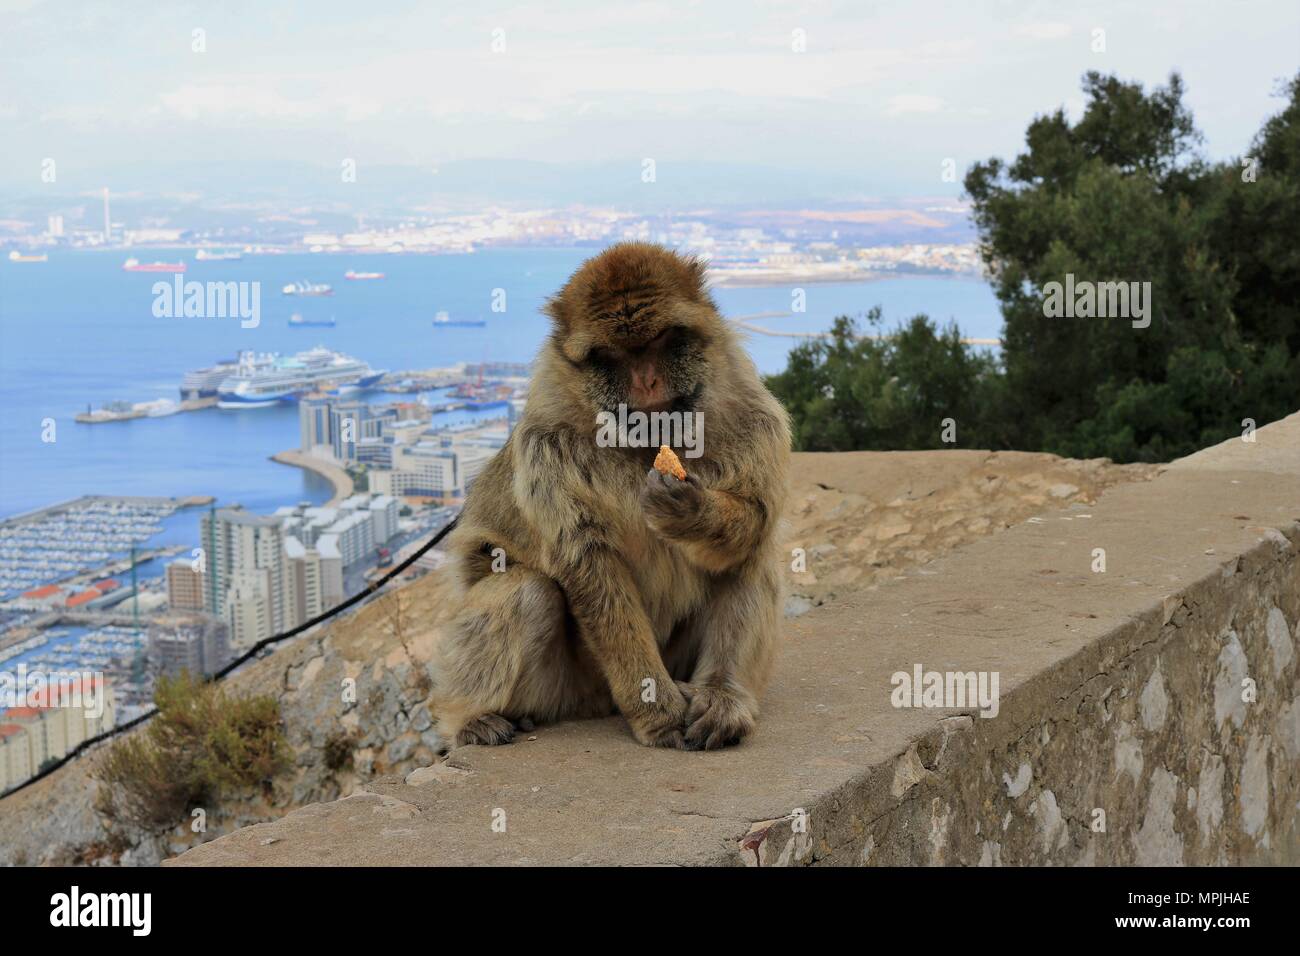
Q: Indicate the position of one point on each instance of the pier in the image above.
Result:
(745, 323)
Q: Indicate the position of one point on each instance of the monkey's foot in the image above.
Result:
(716, 718)
(488, 730)
(660, 724)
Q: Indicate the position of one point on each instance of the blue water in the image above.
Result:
(79, 331)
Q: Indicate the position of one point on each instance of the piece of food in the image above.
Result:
(667, 463)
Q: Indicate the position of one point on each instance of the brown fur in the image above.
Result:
(613, 575)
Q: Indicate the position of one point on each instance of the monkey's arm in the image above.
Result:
(716, 528)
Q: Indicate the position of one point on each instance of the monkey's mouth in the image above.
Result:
(678, 403)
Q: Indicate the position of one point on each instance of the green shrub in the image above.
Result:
(202, 743)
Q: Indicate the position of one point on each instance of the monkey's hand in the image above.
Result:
(671, 505)
(659, 722)
(716, 529)
(716, 717)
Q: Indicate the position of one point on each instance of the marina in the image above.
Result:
(91, 536)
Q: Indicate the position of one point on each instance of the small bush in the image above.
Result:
(338, 751)
(201, 743)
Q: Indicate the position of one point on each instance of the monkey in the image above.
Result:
(622, 589)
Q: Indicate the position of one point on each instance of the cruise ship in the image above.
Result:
(17, 256)
(204, 382)
(265, 380)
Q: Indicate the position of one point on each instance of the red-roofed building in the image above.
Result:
(49, 595)
(61, 715)
(84, 597)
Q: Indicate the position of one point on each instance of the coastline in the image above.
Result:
(335, 475)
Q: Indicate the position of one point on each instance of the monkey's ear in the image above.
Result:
(574, 345)
(573, 338)
(697, 272)
(554, 307)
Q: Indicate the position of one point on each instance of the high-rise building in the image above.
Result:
(184, 586)
(55, 227)
(314, 424)
(306, 584)
(108, 223)
(244, 580)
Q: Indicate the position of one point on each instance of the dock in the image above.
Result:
(142, 410)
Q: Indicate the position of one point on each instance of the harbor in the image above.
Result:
(44, 554)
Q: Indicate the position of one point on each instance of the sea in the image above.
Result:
(78, 331)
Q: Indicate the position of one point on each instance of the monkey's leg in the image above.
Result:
(506, 659)
(614, 627)
(735, 638)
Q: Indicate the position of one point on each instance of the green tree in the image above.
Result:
(1120, 196)
(1123, 195)
(852, 390)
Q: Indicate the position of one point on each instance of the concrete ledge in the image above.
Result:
(1123, 734)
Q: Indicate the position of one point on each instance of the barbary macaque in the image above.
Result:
(621, 587)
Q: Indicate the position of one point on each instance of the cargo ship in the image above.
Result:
(362, 275)
(17, 256)
(135, 265)
(443, 320)
(270, 379)
(211, 255)
(308, 288)
(297, 321)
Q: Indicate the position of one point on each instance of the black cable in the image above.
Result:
(369, 590)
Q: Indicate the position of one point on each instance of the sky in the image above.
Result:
(881, 91)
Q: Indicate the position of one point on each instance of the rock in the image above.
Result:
(797, 604)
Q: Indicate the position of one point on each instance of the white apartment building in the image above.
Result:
(32, 735)
(433, 469)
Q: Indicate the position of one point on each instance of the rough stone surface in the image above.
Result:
(1150, 704)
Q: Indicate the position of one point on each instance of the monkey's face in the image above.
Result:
(666, 372)
(638, 326)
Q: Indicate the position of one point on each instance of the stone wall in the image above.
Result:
(1148, 712)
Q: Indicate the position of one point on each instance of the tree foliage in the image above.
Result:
(1120, 195)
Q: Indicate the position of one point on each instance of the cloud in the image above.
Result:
(1042, 31)
(913, 103)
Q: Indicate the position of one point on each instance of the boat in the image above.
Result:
(308, 288)
(362, 275)
(273, 379)
(207, 255)
(443, 320)
(16, 256)
(297, 321)
(135, 265)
